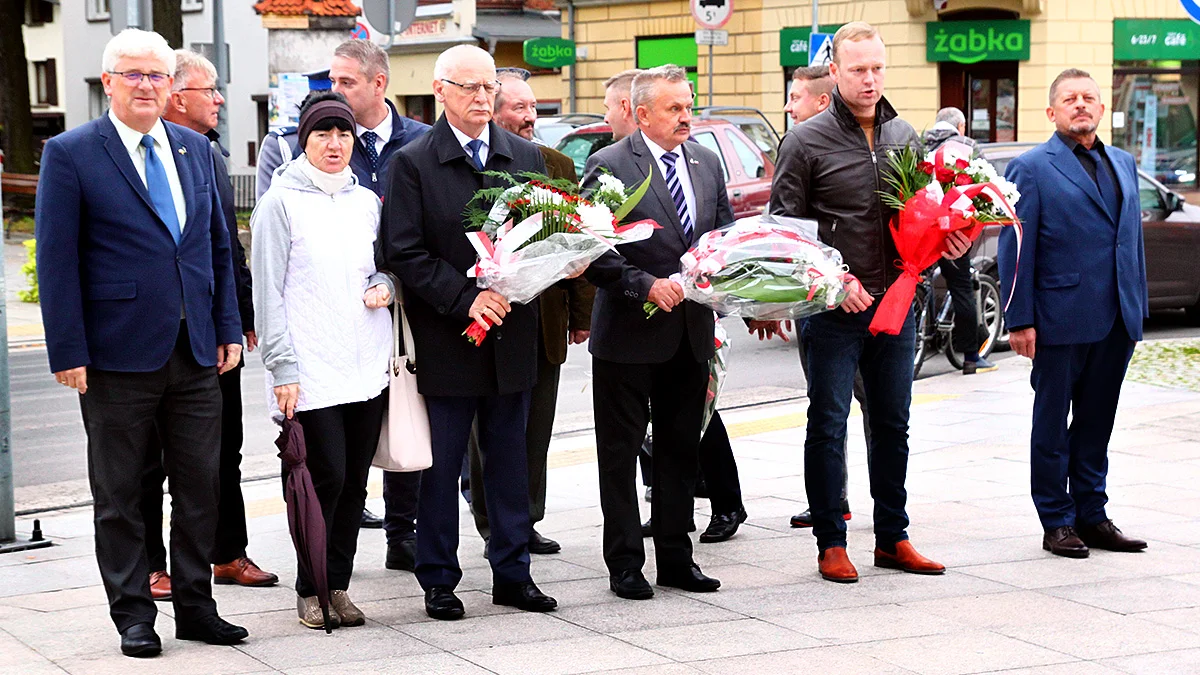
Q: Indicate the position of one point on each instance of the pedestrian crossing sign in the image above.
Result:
(820, 49)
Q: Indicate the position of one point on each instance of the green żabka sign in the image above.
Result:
(974, 41)
(549, 52)
(793, 44)
(1155, 39)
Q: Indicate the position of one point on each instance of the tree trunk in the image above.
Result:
(168, 21)
(15, 116)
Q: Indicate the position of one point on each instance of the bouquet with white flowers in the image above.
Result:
(538, 231)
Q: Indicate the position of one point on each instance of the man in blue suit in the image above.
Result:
(138, 302)
(1078, 296)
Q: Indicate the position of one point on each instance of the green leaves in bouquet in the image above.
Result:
(476, 212)
(905, 177)
(634, 198)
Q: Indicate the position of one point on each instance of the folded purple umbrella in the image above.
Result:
(305, 520)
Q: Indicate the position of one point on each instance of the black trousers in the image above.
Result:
(543, 400)
(623, 394)
(957, 274)
(231, 540)
(400, 492)
(717, 466)
(130, 417)
(341, 442)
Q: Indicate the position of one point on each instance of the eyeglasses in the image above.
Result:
(473, 87)
(519, 72)
(134, 78)
(212, 91)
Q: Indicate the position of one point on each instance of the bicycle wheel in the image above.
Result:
(993, 313)
(925, 327)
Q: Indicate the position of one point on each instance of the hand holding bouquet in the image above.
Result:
(538, 232)
(945, 192)
(763, 267)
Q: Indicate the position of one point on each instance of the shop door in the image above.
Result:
(987, 94)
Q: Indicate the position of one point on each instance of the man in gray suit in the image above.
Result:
(660, 361)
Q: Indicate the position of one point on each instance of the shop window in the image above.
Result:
(45, 79)
(678, 50)
(97, 10)
(1154, 113)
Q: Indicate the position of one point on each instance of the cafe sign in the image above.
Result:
(1155, 39)
(549, 52)
(974, 41)
(793, 44)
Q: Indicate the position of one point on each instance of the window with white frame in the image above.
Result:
(192, 6)
(98, 10)
(97, 99)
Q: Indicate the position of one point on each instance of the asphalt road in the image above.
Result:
(49, 446)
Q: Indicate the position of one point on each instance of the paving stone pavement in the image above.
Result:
(1004, 605)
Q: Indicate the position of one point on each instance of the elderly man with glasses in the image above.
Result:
(423, 241)
(137, 290)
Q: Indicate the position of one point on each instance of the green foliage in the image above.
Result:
(477, 209)
(29, 269)
(634, 198)
(904, 178)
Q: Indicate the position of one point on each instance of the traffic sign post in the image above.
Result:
(712, 15)
(820, 49)
(719, 38)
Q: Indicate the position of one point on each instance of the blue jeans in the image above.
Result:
(839, 344)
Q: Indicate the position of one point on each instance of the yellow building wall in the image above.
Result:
(1063, 34)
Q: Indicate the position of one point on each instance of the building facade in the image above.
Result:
(85, 24)
(993, 59)
(43, 35)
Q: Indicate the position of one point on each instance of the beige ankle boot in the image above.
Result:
(309, 610)
(346, 611)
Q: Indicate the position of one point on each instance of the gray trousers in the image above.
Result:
(860, 395)
(542, 403)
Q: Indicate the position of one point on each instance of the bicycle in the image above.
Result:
(935, 320)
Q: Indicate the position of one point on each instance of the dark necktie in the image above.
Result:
(1104, 180)
(476, 159)
(368, 139)
(160, 189)
(676, 190)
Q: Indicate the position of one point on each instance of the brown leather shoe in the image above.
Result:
(907, 559)
(1065, 542)
(835, 565)
(160, 585)
(1108, 537)
(243, 572)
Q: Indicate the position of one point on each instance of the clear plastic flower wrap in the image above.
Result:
(763, 267)
(718, 366)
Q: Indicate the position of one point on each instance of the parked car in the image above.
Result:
(747, 167)
(552, 128)
(1170, 229)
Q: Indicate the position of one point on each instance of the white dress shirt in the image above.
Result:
(162, 147)
(681, 172)
(463, 139)
(383, 132)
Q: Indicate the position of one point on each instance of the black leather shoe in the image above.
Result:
(402, 556)
(541, 545)
(688, 579)
(442, 604)
(1108, 537)
(647, 533)
(722, 526)
(370, 521)
(1065, 542)
(211, 629)
(140, 641)
(805, 519)
(523, 595)
(631, 585)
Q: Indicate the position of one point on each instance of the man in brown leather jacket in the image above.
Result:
(565, 315)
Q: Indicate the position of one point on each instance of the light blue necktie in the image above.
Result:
(676, 189)
(160, 189)
(475, 146)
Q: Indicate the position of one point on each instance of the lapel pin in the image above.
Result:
(183, 151)
(693, 162)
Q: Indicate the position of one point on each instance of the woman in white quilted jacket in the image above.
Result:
(325, 330)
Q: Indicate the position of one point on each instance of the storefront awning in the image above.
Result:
(494, 28)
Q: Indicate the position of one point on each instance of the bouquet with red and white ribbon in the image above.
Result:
(541, 231)
(762, 267)
(945, 192)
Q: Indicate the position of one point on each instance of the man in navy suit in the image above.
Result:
(138, 301)
(1078, 296)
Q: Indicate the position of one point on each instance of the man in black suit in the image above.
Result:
(660, 361)
(424, 243)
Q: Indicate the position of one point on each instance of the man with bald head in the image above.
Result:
(422, 235)
(564, 316)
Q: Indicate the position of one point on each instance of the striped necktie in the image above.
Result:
(676, 190)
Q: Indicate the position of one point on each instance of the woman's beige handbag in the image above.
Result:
(404, 443)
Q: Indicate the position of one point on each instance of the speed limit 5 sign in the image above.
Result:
(712, 14)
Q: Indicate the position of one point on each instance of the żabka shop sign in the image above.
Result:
(974, 41)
